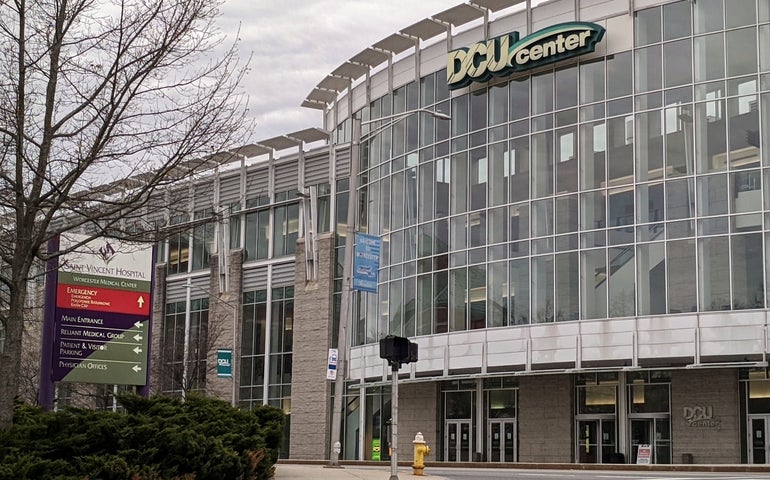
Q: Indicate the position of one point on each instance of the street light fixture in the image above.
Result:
(347, 269)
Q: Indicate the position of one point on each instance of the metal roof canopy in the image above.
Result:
(336, 84)
(309, 135)
(350, 70)
(250, 150)
(370, 57)
(280, 142)
(425, 29)
(314, 104)
(459, 15)
(496, 5)
(321, 95)
(395, 43)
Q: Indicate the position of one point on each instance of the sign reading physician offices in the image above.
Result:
(102, 311)
(507, 53)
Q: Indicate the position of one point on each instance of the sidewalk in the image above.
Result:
(284, 471)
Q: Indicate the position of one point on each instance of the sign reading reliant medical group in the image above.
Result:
(507, 54)
(102, 312)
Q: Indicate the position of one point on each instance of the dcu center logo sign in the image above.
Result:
(507, 54)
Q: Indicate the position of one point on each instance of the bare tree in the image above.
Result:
(101, 103)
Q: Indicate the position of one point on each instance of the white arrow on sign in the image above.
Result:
(136, 368)
(138, 324)
(140, 301)
(138, 337)
(137, 350)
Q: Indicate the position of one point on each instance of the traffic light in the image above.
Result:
(398, 350)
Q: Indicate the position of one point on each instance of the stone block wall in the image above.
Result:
(545, 419)
(417, 404)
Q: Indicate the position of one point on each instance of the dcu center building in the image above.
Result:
(572, 201)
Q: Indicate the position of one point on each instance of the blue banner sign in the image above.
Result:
(366, 263)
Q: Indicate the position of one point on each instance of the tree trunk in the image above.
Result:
(9, 359)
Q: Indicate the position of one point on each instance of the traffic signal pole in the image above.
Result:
(394, 422)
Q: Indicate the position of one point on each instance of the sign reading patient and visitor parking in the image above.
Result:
(102, 311)
(508, 54)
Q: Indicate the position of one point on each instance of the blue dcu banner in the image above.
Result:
(366, 263)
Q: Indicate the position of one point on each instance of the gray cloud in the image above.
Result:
(295, 43)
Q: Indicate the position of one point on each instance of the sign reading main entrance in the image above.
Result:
(506, 54)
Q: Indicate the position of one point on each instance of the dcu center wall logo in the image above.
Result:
(507, 54)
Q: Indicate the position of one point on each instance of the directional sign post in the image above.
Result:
(102, 312)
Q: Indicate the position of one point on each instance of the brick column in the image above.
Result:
(310, 391)
(545, 419)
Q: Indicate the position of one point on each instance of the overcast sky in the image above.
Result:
(296, 43)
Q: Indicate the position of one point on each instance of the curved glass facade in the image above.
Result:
(633, 184)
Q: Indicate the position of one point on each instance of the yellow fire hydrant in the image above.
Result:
(420, 451)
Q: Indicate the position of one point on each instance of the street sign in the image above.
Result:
(102, 312)
(224, 363)
(644, 455)
(331, 369)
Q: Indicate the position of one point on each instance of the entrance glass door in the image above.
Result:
(759, 426)
(457, 441)
(655, 432)
(501, 441)
(596, 440)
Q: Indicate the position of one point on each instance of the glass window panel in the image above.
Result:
(676, 20)
(519, 221)
(424, 304)
(681, 255)
(708, 16)
(519, 169)
(427, 90)
(542, 164)
(651, 261)
(459, 183)
(621, 208)
(427, 182)
(765, 133)
(395, 308)
(542, 218)
(459, 115)
(442, 175)
(764, 10)
(478, 228)
(566, 168)
(619, 74)
(649, 145)
(410, 196)
(594, 273)
(567, 292)
(478, 110)
(479, 175)
(594, 210)
(748, 291)
(677, 68)
(459, 232)
(441, 236)
(477, 294)
(709, 57)
(743, 131)
(648, 71)
(741, 51)
(499, 173)
(714, 273)
(712, 195)
(497, 294)
(740, 13)
(498, 225)
(542, 289)
(519, 97)
(647, 26)
(498, 104)
(397, 201)
(746, 195)
(764, 48)
(593, 152)
(620, 158)
(592, 81)
(440, 302)
(458, 293)
(518, 303)
(679, 134)
(407, 306)
(622, 287)
(542, 93)
(710, 135)
(566, 214)
(566, 87)
(680, 199)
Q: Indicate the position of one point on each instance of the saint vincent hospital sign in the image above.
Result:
(508, 54)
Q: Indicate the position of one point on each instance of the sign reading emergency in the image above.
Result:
(102, 311)
(507, 54)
